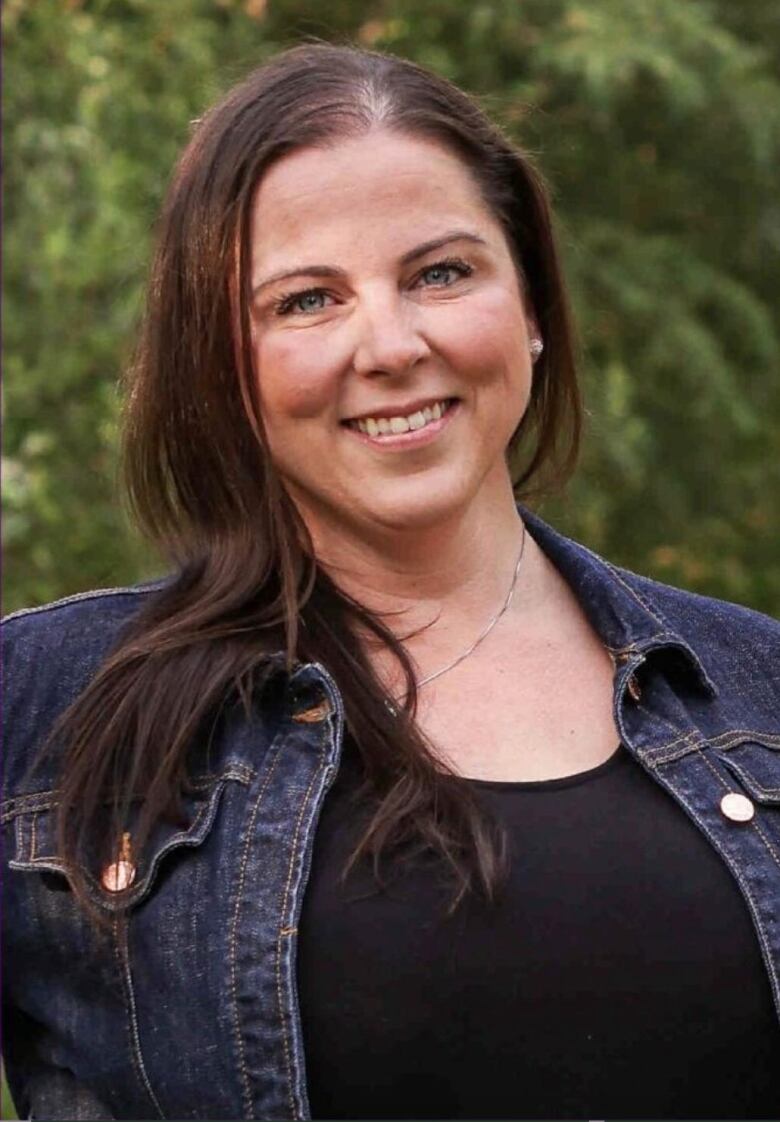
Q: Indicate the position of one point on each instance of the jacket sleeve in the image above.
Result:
(42, 1090)
(45, 664)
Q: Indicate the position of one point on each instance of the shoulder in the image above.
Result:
(630, 604)
(50, 654)
(94, 606)
(736, 648)
(78, 629)
(717, 624)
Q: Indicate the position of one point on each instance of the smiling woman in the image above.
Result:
(390, 802)
(422, 309)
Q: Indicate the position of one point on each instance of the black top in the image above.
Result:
(618, 977)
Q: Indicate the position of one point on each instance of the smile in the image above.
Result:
(396, 425)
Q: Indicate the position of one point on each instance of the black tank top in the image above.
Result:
(619, 976)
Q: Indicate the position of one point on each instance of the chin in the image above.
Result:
(415, 503)
(417, 508)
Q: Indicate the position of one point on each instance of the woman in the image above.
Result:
(390, 801)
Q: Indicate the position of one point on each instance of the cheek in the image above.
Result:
(491, 342)
(293, 378)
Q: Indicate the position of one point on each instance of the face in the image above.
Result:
(390, 336)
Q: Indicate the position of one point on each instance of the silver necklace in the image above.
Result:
(480, 638)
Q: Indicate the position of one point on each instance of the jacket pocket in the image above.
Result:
(754, 760)
(125, 882)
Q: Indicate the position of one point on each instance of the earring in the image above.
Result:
(536, 346)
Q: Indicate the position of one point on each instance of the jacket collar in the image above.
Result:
(621, 606)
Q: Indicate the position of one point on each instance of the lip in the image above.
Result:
(404, 410)
(417, 438)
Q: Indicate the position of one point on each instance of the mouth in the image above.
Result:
(387, 426)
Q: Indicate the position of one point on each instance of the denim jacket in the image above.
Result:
(190, 1010)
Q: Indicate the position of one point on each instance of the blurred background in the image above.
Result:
(657, 124)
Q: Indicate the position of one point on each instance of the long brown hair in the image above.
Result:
(202, 485)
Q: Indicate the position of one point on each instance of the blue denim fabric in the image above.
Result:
(190, 1010)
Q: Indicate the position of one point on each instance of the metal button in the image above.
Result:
(634, 688)
(314, 714)
(737, 808)
(120, 874)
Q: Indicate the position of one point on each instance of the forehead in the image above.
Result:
(383, 186)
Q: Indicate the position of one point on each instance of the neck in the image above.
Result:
(436, 586)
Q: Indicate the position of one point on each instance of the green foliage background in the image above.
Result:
(657, 123)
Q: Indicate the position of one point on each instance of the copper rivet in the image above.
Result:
(737, 808)
(634, 689)
(314, 714)
(120, 874)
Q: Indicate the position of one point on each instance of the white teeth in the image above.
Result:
(383, 426)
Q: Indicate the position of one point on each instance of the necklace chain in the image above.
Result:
(484, 633)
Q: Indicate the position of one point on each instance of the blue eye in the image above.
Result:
(444, 273)
(302, 303)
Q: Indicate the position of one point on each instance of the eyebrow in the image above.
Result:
(407, 259)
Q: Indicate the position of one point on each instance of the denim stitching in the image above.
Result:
(750, 781)
(48, 800)
(39, 863)
(654, 718)
(738, 736)
(768, 959)
(247, 1090)
(757, 827)
(602, 563)
(632, 591)
(77, 597)
(688, 744)
(244, 773)
(753, 822)
(285, 896)
(141, 888)
(723, 740)
(623, 652)
(746, 892)
(21, 804)
(723, 782)
(672, 634)
(123, 958)
(51, 861)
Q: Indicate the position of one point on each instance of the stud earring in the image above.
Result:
(536, 346)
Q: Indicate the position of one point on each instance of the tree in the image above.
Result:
(658, 126)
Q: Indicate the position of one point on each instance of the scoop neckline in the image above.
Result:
(548, 784)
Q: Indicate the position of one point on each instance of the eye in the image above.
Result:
(308, 302)
(442, 274)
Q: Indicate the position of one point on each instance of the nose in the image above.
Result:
(389, 338)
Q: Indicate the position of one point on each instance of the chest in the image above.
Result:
(614, 901)
(526, 712)
(192, 1010)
